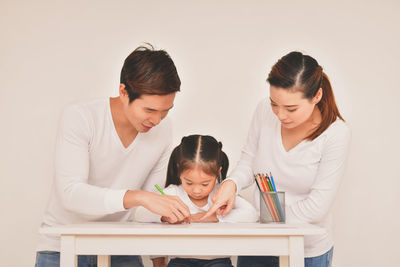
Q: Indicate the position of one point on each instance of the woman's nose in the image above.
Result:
(281, 115)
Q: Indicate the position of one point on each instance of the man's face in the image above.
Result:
(147, 111)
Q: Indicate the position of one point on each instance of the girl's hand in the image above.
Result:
(224, 200)
(168, 220)
(197, 217)
(170, 207)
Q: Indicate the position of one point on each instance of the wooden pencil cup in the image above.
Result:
(272, 207)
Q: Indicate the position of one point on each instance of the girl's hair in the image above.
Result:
(197, 151)
(298, 72)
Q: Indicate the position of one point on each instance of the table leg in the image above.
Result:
(67, 252)
(103, 261)
(296, 251)
(283, 261)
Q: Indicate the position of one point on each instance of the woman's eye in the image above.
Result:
(291, 110)
(205, 184)
(189, 183)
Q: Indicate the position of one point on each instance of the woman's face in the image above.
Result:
(291, 108)
(197, 184)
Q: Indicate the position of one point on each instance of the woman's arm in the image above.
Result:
(331, 168)
(242, 176)
(243, 211)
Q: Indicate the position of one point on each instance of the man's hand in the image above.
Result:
(224, 200)
(171, 207)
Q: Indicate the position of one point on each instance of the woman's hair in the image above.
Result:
(149, 71)
(201, 151)
(298, 72)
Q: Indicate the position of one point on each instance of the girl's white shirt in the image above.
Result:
(242, 211)
(309, 173)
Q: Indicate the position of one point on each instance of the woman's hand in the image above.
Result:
(224, 200)
(197, 217)
(170, 207)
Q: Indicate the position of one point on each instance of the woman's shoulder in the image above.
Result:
(337, 133)
(338, 128)
(263, 110)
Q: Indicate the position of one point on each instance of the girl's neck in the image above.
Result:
(199, 202)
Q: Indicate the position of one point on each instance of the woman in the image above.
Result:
(300, 137)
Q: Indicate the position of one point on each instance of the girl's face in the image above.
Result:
(291, 108)
(197, 184)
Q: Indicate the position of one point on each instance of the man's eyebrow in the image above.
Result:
(152, 109)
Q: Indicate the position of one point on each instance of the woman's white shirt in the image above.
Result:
(309, 173)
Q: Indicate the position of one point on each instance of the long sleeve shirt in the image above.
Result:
(93, 170)
(242, 211)
(309, 173)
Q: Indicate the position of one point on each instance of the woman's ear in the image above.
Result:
(317, 96)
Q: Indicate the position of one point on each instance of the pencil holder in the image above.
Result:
(272, 207)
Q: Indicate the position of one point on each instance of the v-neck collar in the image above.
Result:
(281, 145)
(117, 139)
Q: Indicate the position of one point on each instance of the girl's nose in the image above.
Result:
(196, 189)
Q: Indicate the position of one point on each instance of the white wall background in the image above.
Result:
(56, 52)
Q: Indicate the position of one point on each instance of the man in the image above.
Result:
(111, 152)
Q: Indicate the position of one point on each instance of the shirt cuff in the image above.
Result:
(114, 200)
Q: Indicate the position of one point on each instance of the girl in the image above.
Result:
(195, 169)
(299, 135)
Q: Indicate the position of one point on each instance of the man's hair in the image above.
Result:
(149, 71)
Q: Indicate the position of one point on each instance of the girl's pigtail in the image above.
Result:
(172, 172)
(224, 163)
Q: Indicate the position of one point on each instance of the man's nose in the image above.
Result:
(155, 118)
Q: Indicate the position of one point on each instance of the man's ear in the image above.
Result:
(122, 91)
(123, 94)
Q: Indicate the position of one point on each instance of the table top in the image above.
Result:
(134, 228)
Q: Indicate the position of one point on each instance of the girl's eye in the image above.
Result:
(188, 183)
(204, 184)
(291, 110)
(274, 105)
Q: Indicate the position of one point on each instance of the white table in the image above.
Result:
(104, 239)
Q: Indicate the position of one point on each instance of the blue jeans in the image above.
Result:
(52, 259)
(325, 260)
(186, 262)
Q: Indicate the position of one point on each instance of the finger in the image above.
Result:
(183, 208)
(228, 208)
(211, 211)
(179, 215)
